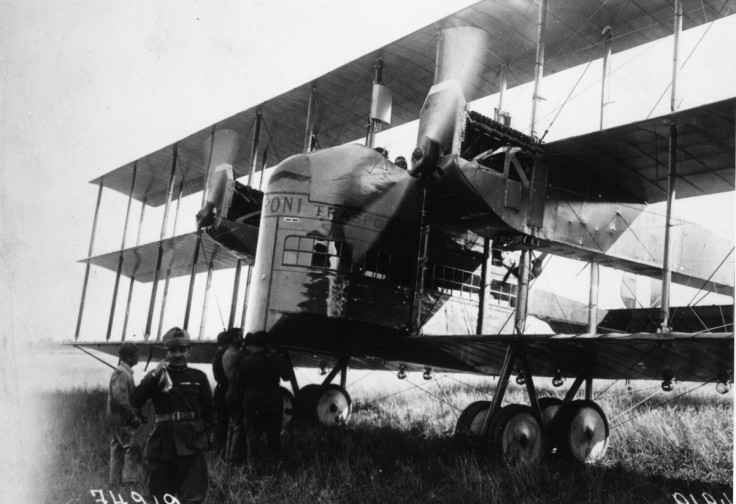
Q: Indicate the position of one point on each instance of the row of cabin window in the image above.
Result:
(335, 256)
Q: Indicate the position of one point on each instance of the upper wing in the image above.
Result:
(634, 157)
(343, 95)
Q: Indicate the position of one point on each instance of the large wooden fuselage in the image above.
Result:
(338, 247)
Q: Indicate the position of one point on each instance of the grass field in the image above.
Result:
(398, 448)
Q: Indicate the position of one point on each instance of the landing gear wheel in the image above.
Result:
(469, 427)
(333, 405)
(306, 401)
(549, 407)
(289, 407)
(581, 431)
(516, 435)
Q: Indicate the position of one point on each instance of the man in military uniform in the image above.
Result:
(123, 419)
(223, 343)
(185, 420)
(231, 361)
(263, 405)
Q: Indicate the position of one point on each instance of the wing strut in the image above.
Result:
(132, 277)
(163, 304)
(671, 180)
(89, 254)
(236, 286)
(159, 258)
(539, 65)
(522, 295)
(120, 257)
(484, 269)
(593, 298)
(374, 123)
(416, 320)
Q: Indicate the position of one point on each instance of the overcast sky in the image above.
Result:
(90, 85)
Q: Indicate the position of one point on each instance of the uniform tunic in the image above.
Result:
(220, 401)
(235, 444)
(123, 418)
(176, 449)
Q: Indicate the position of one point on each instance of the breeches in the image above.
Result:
(184, 477)
(258, 423)
(124, 456)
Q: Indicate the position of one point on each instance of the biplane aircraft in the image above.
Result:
(352, 258)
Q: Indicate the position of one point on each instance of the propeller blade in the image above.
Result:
(220, 150)
(459, 63)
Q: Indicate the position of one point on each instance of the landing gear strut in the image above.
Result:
(522, 435)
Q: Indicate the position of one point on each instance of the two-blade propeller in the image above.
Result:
(220, 150)
(460, 56)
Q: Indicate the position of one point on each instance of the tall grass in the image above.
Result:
(399, 448)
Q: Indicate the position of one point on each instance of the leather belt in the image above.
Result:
(176, 416)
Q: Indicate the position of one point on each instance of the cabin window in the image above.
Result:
(446, 278)
(395, 268)
(315, 253)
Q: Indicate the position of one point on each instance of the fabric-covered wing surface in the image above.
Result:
(683, 356)
(634, 157)
(177, 256)
(343, 95)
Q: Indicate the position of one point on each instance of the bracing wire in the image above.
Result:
(623, 375)
(634, 417)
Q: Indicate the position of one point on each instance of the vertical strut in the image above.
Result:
(245, 296)
(120, 256)
(263, 168)
(503, 383)
(127, 307)
(163, 304)
(159, 258)
(500, 115)
(372, 123)
(254, 147)
(203, 320)
(192, 277)
(593, 298)
(671, 181)
(309, 133)
(178, 204)
(132, 278)
(484, 269)
(236, 286)
(529, 382)
(522, 294)
(608, 33)
(89, 254)
(416, 322)
(539, 65)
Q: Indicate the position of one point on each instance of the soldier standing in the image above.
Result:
(123, 419)
(235, 445)
(223, 342)
(185, 420)
(260, 375)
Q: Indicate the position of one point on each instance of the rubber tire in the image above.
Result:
(503, 443)
(568, 414)
(289, 407)
(467, 429)
(306, 402)
(548, 416)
